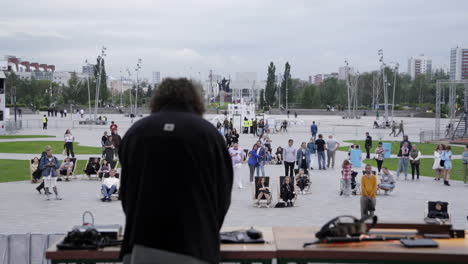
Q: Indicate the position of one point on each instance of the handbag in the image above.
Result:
(442, 163)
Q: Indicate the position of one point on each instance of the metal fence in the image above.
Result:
(26, 248)
(430, 135)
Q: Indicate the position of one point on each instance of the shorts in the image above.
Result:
(50, 182)
(448, 165)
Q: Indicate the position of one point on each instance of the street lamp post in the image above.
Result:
(138, 85)
(131, 88)
(394, 87)
(89, 91)
(13, 94)
(384, 83)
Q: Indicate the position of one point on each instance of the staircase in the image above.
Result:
(461, 128)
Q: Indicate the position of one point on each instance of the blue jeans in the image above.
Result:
(261, 166)
(402, 165)
(108, 191)
(321, 159)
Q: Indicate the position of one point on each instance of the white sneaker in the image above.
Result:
(259, 206)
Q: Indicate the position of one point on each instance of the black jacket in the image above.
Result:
(368, 143)
(175, 147)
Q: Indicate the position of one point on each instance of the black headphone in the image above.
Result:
(335, 228)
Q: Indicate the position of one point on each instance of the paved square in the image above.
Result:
(23, 210)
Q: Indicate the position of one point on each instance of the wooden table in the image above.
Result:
(241, 253)
(289, 241)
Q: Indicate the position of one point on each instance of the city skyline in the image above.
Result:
(182, 38)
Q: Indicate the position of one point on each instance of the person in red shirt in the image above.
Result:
(113, 128)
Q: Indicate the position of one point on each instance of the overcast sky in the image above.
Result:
(188, 38)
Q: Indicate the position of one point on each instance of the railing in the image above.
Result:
(26, 248)
(431, 135)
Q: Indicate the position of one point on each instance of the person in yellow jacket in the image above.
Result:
(246, 126)
(368, 192)
(44, 122)
(250, 126)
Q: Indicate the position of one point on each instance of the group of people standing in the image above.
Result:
(111, 143)
(443, 162)
(252, 126)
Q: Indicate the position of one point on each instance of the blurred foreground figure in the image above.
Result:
(176, 181)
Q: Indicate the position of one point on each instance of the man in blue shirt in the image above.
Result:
(314, 130)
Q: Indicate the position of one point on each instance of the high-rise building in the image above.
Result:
(318, 79)
(342, 72)
(156, 77)
(331, 75)
(420, 65)
(459, 63)
(88, 70)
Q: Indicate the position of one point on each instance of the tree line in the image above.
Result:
(419, 92)
(43, 94)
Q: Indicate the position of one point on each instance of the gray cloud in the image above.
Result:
(186, 37)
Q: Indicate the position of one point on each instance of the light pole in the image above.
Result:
(121, 88)
(384, 82)
(348, 88)
(89, 91)
(394, 87)
(13, 94)
(131, 87)
(138, 85)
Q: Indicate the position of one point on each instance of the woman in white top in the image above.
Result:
(69, 139)
(437, 167)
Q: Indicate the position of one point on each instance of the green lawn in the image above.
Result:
(425, 148)
(18, 170)
(38, 147)
(425, 167)
(25, 136)
(14, 170)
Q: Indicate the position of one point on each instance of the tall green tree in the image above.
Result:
(286, 84)
(270, 88)
(309, 98)
(333, 92)
(262, 99)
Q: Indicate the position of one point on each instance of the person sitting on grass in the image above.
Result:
(66, 168)
(109, 186)
(302, 180)
(92, 167)
(263, 191)
(287, 193)
(387, 182)
(105, 169)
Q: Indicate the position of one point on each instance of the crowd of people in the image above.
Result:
(211, 163)
(48, 168)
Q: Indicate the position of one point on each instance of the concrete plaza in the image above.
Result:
(23, 210)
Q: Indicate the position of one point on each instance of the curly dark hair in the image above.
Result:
(177, 92)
